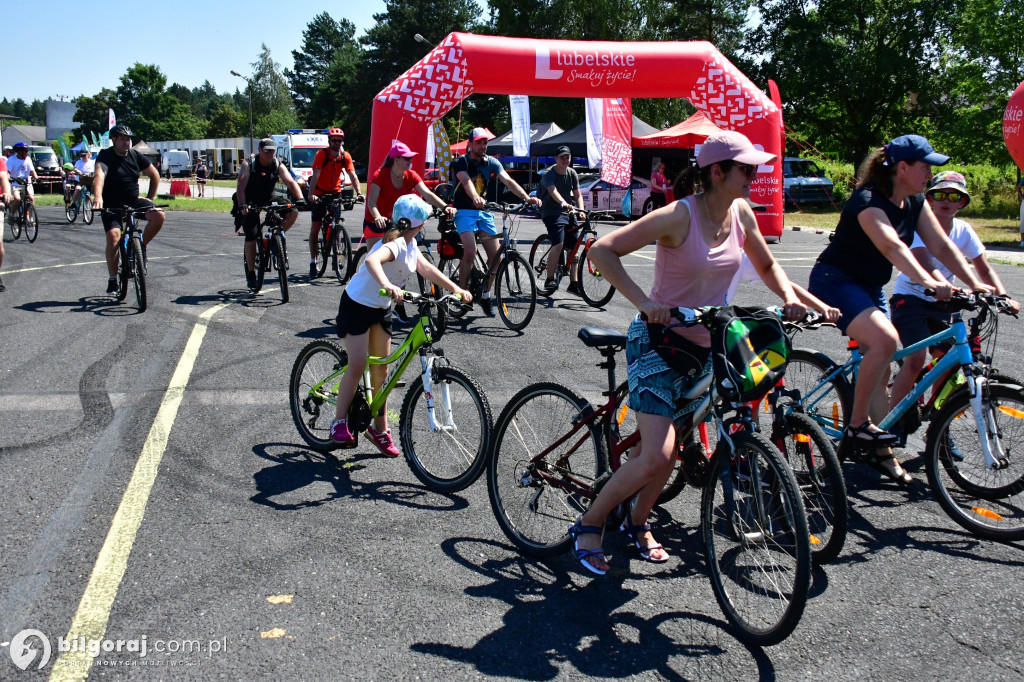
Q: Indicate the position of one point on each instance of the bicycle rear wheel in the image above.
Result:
(756, 540)
(323, 252)
(816, 468)
(450, 268)
(534, 502)
(311, 401)
(596, 290)
(342, 253)
(15, 221)
(31, 223)
(987, 502)
(539, 253)
(71, 211)
(138, 272)
(827, 404)
(515, 291)
(277, 248)
(453, 456)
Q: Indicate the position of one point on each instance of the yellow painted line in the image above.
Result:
(104, 262)
(93, 613)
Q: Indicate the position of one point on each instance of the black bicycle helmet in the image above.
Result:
(120, 130)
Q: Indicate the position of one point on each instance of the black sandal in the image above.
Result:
(878, 462)
(864, 435)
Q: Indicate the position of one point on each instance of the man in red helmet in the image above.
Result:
(332, 167)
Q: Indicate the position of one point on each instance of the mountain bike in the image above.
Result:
(594, 289)
(970, 445)
(515, 288)
(271, 250)
(334, 245)
(445, 419)
(25, 217)
(131, 253)
(82, 206)
(553, 452)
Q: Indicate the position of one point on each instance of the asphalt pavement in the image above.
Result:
(155, 491)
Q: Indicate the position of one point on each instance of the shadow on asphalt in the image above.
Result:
(560, 622)
(242, 297)
(97, 305)
(294, 468)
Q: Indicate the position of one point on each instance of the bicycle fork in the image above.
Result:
(428, 393)
(985, 423)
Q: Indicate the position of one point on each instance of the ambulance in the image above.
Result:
(297, 149)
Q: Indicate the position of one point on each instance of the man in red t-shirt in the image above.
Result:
(5, 197)
(331, 168)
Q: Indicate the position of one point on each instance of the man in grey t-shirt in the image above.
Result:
(557, 185)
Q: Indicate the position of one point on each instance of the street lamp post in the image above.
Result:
(248, 83)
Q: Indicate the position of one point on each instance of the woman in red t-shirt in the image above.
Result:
(392, 180)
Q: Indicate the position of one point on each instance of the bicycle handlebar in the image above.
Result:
(125, 210)
(413, 297)
(277, 207)
(504, 208)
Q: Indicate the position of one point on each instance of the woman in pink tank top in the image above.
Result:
(700, 245)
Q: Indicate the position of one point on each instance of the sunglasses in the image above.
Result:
(747, 170)
(947, 196)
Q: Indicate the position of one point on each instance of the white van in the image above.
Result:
(175, 162)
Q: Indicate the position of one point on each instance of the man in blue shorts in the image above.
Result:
(476, 173)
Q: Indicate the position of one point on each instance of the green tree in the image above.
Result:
(271, 99)
(143, 103)
(329, 58)
(92, 112)
(226, 121)
(850, 72)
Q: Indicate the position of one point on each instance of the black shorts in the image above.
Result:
(251, 220)
(112, 221)
(916, 319)
(558, 233)
(657, 199)
(356, 318)
(320, 208)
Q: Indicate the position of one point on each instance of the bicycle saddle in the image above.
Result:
(599, 338)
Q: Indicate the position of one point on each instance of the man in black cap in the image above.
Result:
(257, 179)
(557, 186)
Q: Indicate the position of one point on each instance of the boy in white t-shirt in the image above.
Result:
(364, 315)
(917, 316)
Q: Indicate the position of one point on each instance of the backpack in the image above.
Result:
(749, 352)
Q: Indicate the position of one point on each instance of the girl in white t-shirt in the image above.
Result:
(915, 315)
(364, 315)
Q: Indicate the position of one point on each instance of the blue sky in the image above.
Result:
(190, 41)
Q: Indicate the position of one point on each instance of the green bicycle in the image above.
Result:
(445, 419)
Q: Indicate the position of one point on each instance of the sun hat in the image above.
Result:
(729, 145)
(913, 148)
(411, 209)
(400, 149)
(950, 180)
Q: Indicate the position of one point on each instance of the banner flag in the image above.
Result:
(442, 150)
(617, 142)
(64, 151)
(428, 157)
(520, 105)
(111, 121)
(594, 109)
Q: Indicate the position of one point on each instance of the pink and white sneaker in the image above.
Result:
(340, 432)
(384, 442)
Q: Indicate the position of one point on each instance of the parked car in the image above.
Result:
(599, 195)
(175, 162)
(432, 178)
(47, 167)
(805, 182)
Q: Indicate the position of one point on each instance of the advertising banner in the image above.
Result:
(616, 145)
(595, 116)
(520, 105)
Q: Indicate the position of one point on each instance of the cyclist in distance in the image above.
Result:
(85, 166)
(70, 181)
(701, 240)
(476, 173)
(5, 197)
(557, 186)
(915, 315)
(256, 185)
(875, 229)
(21, 167)
(364, 315)
(332, 168)
(116, 185)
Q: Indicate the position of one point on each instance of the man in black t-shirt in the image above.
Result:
(117, 185)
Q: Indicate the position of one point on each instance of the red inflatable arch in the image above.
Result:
(463, 64)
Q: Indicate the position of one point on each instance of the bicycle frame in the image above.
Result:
(960, 356)
(417, 341)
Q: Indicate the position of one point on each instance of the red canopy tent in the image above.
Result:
(686, 135)
(460, 147)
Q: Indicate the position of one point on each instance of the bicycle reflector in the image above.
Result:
(1015, 413)
(987, 513)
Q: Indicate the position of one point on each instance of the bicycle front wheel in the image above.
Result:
(87, 211)
(138, 272)
(123, 270)
(342, 254)
(535, 500)
(277, 246)
(448, 454)
(539, 254)
(594, 288)
(756, 540)
(828, 404)
(986, 501)
(262, 263)
(313, 390)
(31, 223)
(816, 468)
(515, 291)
